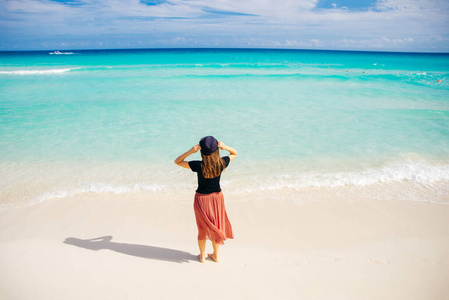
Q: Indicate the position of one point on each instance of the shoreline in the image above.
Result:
(368, 249)
(412, 179)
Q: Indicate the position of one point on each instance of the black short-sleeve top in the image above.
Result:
(207, 185)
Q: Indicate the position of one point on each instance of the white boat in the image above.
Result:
(58, 52)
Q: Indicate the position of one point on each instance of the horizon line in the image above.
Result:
(224, 48)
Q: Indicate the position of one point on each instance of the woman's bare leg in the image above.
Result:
(214, 255)
(202, 246)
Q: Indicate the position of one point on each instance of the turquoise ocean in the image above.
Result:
(307, 124)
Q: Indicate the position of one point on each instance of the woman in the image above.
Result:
(210, 212)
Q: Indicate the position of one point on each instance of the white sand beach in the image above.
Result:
(111, 247)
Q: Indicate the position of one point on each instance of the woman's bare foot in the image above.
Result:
(214, 257)
(202, 258)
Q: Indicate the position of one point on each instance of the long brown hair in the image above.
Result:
(212, 165)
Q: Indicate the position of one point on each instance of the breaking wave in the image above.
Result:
(405, 179)
(37, 72)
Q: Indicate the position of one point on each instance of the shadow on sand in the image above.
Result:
(142, 251)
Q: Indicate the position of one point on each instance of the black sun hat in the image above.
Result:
(209, 145)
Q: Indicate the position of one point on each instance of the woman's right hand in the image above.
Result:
(196, 148)
(221, 145)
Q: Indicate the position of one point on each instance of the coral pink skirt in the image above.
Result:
(211, 218)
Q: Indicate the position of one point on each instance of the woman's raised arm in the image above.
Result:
(180, 160)
(232, 152)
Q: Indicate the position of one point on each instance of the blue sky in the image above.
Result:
(373, 25)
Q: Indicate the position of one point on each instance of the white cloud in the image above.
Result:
(410, 25)
(374, 44)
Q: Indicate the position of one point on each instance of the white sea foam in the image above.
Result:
(405, 179)
(37, 72)
(420, 172)
(99, 188)
(417, 181)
